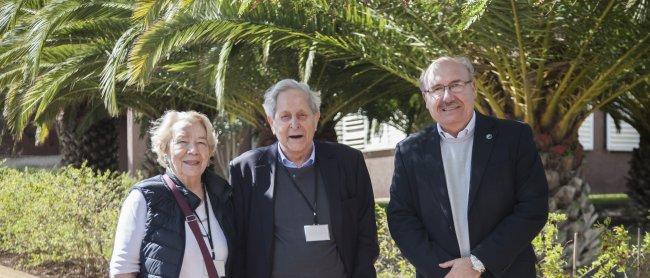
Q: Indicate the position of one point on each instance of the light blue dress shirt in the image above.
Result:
(289, 164)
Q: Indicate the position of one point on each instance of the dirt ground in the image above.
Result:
(45, 271)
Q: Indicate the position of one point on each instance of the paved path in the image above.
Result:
(6, 272)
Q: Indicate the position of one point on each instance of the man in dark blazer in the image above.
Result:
(302, 208)
(469, 193)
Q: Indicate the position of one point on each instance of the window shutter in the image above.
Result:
(624, 140)
(586, 133)
(352, 130)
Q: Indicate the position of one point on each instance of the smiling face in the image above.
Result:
(451, 110)
(189, 150)
(294, 124)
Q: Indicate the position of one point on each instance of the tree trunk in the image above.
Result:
(150, 166)
(97, 146)
(638, 180)
(232, 142)
(264, 137)
(569, 194)
(327, 132)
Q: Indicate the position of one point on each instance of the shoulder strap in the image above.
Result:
(191, 219)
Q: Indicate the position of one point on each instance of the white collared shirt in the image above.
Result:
(289, 164)
(469, 128)
(456, 155)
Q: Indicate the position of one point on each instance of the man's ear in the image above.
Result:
(269, 120)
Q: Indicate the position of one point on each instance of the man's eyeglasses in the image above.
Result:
(455, 87)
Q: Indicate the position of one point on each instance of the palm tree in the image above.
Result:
(552, 64)
(548, 63)
(52, 57)
(244, 69)
(634, 109)
(48, 51)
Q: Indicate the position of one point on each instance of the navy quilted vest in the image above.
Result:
(161, 252)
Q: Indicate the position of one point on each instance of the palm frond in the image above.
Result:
(113, 65)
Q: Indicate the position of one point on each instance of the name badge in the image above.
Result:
(219, 265)
(317, 232)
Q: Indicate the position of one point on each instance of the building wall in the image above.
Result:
(26, 146)
(27, 154)
(381, 167)
(606, 170)
(605, 165)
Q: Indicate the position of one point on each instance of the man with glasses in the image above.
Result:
(469, 193)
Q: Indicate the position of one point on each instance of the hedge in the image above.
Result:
(68, 217)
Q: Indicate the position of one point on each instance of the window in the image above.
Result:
(586, 133)
(625, 139)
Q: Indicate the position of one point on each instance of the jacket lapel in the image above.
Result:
(264, 189)
(431, 172)
(484, 137)
(329, 171)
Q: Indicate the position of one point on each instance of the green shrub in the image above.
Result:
(616, 254)
(390, 263)
(549, 250)
(66, 216)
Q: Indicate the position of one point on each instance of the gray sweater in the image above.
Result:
(293, 255)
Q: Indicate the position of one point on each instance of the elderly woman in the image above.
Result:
(153, 237)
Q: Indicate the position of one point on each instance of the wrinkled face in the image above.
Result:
(294, 124)
(188, 149)
(451, 110)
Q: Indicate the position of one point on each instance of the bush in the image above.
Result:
(390, 263)
(67, 216)
(616, 254)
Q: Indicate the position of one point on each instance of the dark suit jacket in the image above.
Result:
(351, 202)
(508, 203)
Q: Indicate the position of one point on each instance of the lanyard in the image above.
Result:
(311, 206)
(207, 214)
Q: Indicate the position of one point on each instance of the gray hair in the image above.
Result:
(429, 74)
(271, 95)
(161, 132)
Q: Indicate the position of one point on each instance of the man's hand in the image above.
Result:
(460, 268)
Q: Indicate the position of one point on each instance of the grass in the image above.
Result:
(609, 200)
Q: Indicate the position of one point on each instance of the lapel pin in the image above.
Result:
(488, 136)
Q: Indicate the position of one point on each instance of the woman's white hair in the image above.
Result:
(271, 95)
(161, 132)
(428, 75)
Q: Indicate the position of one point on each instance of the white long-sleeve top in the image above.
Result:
(131, 230)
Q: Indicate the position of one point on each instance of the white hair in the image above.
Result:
(428, 75)
(271, 95)
(161, 132)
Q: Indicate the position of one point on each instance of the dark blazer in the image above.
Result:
(508, 203)
(351, 203)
